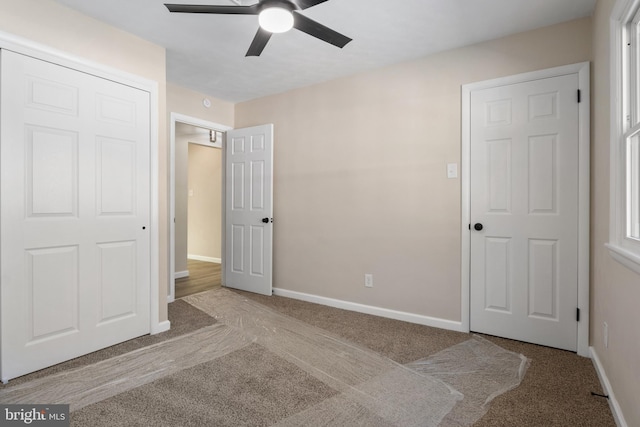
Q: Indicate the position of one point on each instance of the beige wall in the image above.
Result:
(189, 103)
(360, 172)
(615, 290)
(51, 24)
(205, 203)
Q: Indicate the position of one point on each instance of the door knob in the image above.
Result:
(265, 220)
(477, 226)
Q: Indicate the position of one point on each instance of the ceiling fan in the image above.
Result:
(274, 16)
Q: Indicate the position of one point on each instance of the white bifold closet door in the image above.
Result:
(75, 255)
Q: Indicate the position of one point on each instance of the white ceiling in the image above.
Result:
(206, 53)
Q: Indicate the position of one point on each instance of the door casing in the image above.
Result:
(181, 118)
(582, 69)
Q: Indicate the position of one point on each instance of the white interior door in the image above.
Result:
(249, 209)
(75, 253)
(524, 193)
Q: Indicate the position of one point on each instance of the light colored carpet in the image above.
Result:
(555, 392)
(248, 387)
(255, 366)
(184, 318)
(288, 373)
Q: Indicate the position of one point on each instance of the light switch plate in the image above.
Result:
(452, 170)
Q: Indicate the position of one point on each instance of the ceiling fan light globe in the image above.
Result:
(276, 19)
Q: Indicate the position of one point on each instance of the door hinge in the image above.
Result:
(579, 96)
(577, 314)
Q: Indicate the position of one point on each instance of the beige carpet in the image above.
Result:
(555, 392)
(288, 373)
(184, 318)
(288, 363)
(249, 387)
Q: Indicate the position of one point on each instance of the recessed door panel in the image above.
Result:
(543, 176)
(237, 145)
(543, 106)
(237, 248)
(499, 165)
(52, 172)
(257, 185)
(257, 143)
(52, 96)
(498, 112)
(257, 250)
(53, 283)
(543, 279)
(115, 110)
(115, 176)
(117, 275)
(498, 274)
(238, 187)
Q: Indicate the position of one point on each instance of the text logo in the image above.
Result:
(34, 415)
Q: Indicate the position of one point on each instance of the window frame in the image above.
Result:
(625, 125)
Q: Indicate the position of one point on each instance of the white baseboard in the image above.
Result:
(376, 311)
(160, 327)
(204, 258)
(181, 274)
(606, 386)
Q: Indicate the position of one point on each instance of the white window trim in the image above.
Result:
(622, 249)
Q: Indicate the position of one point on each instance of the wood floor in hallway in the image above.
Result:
(202, 277)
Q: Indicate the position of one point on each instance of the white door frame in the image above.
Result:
(582, 69)
(181, 118)
(46, 53)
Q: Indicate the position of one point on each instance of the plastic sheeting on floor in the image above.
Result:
(478, 369)
(452, 387)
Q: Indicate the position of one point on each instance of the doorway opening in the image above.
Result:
(197, 205)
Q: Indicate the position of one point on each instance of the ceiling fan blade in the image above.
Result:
(319, 31)
(259, 42)
(304, 4)
(223, 10)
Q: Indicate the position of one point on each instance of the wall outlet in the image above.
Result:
(605, 334)
(368, 280)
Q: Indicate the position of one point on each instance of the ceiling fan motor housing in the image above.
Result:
(283, 4)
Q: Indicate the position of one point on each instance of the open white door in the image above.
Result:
(524, 211)
(249, 209)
